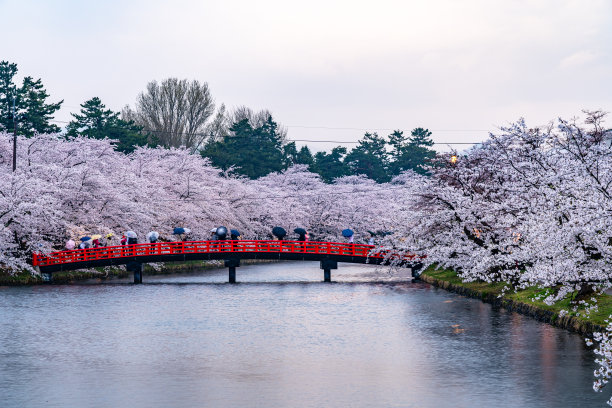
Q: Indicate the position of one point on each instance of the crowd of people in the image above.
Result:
(216, 234)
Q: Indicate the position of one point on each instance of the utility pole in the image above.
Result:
(14, 136)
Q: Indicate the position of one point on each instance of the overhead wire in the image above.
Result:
(319, 127)
(386, 129)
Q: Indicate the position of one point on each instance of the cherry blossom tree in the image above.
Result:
(529, 206)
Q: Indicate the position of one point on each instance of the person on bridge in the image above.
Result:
(348, 233)
(132, 238)
(278, 233)
(222, 236)
(221, 233)
(301, 234)
(153, 236)
(70, 244)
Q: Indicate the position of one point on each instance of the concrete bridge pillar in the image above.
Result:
(136, 269)
(327, 265)
(415, 269)
(46, 277)
(232, 264)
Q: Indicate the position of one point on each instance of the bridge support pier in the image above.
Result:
(232, 264)
(327, 265)
(415, 269)
(46, 277)
(136, 269)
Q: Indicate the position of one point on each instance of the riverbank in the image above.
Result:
(26, 278)
(527, 302)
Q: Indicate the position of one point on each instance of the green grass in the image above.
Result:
(26, 278)
(530, 296)
(20, 278)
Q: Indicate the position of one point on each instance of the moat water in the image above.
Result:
(280, 338)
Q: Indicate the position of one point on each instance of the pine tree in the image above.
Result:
(304, 156)
(331, 165)
(420, 137)
(7, 91)
(33, 113)
(410, 153)
(251, 151)
(398, 143)
(97, 122)
(370, 157)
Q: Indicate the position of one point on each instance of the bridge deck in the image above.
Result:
(192, 250)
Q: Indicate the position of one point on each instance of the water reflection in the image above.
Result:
(280, 338)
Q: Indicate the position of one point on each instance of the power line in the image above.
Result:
(329, 128)
(312, 140)
(386, 129)
(342, 142)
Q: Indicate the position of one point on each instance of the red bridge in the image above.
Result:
(328, 253)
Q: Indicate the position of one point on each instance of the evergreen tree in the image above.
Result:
(98, 123)
(289, 154)
(293, 156)
(304, 156)
(398, 143)
(370, 157)
(7, 90)
(33, 113)
(412, 153)
(421, 137)
(251, 151)
(331, 165)
(92, 121)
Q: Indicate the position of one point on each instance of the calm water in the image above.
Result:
(280, 339)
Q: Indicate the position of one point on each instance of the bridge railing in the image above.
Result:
(204, 247)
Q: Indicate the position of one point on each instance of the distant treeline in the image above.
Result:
(177, 113)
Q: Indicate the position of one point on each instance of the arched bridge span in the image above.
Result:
(329, 253)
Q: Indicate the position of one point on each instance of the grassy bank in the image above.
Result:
(528, 301)
(26, 278)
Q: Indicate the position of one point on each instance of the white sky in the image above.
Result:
(447, 65)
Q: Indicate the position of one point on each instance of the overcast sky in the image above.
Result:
(459, 68)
